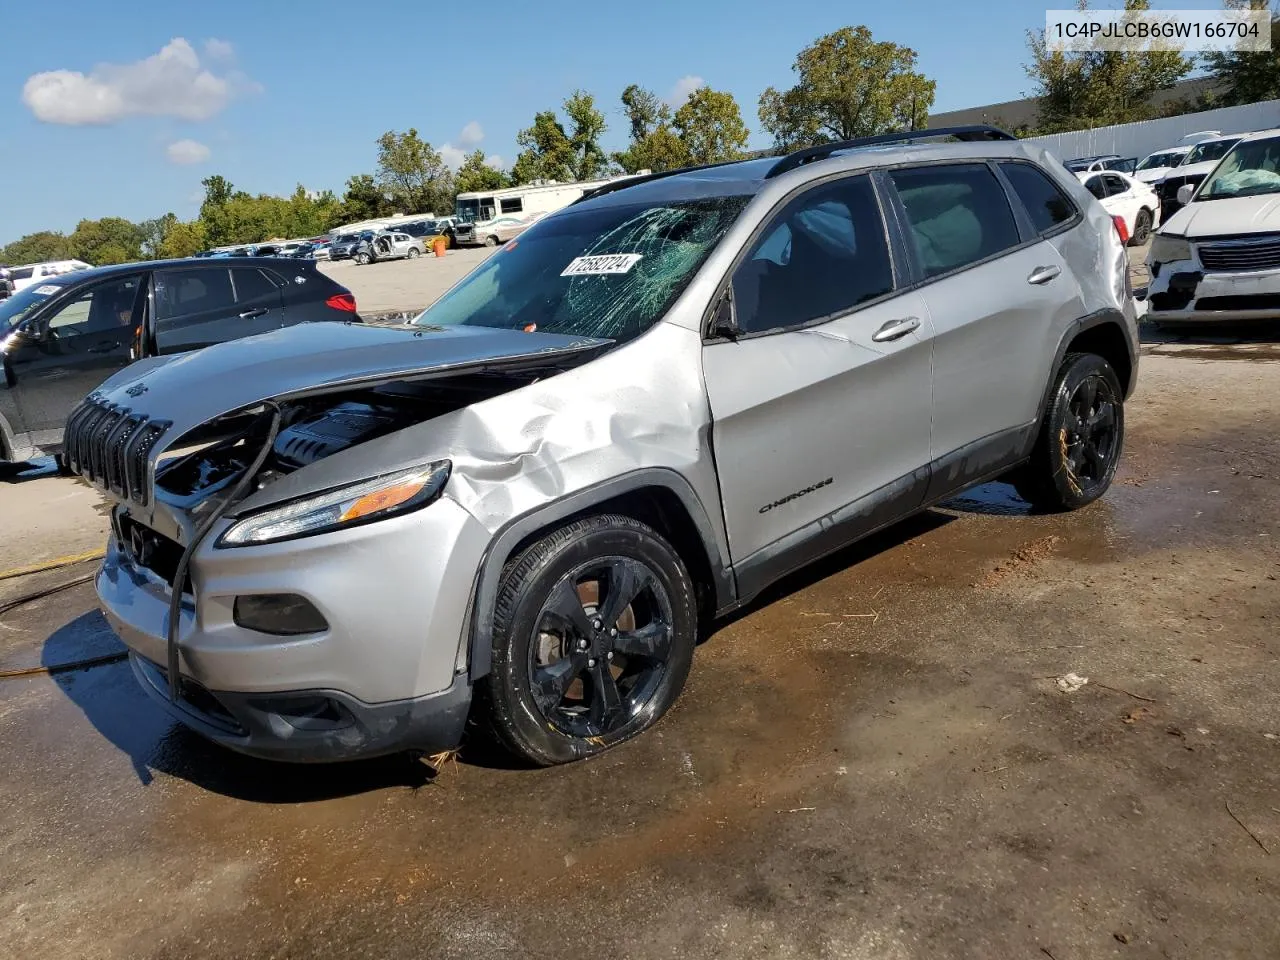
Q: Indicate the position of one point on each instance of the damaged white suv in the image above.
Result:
(632, 419)
(1218, 257)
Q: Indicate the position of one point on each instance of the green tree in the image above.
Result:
(710, 126)
(153, 233)
(180, 239)
(644, 111)
(849, 85)
(588, 125)
(363, 200)
(1078, 90)
(106, 241)
(35, 247)
(1247, 77)
(475, 174)
(546, 151)
(412, 173)
(654, 145)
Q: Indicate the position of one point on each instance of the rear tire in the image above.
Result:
(593, 637)
(413, 253)
(1081, 437)
(362, 258)
(1141, 228)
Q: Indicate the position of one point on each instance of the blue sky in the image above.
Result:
(294, 92)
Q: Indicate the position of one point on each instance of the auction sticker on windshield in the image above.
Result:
(602, 264)
(47, 289)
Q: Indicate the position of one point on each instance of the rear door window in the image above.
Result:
(957, 214)
(1097, 187)
(1045, 203)
(182, 293)
(252, 284)
(1115, 185)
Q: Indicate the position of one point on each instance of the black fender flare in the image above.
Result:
(1108, 315)
(484, 592)
(7, 438)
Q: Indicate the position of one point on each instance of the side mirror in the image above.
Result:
(1184, 194)
(723, 322)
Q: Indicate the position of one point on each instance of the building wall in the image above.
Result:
(1146, 136)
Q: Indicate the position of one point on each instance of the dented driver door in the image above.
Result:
(821, 400)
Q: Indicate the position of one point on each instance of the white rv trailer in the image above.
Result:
(491, 217)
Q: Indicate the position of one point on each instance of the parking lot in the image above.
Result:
(876, 760)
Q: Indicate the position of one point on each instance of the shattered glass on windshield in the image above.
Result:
(609, 272)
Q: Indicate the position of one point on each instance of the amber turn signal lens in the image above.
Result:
(381, 500)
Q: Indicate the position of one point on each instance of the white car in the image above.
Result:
(1154, 166)
(1198, 164)
(1218, 257)
(1131, 200)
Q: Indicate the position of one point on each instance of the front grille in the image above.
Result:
(109, 446)
(1255, 253)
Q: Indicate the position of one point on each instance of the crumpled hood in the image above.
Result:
(316, 358)
(1228, 216)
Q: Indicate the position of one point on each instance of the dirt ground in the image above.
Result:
(873, 762)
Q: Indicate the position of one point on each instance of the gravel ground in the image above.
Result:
(872, 762)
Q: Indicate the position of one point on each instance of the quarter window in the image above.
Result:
(1115, 185)
(1047, 205)
(1095, 186)
(958, 214)
(822, 255)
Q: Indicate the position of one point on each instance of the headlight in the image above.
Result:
(348, 506)
(1166, 248)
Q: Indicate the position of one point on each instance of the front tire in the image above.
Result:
(1081, 437)
(490, 241)
(593, 636)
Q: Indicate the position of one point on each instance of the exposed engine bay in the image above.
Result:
(311, 429)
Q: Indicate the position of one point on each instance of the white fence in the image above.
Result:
(1147, 136)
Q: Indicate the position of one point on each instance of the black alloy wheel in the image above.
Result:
(602, 641)
(593, 636)
(1081, 437)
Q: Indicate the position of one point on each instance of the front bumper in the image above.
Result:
(387, 674)
(1183, 291)
(312, 726)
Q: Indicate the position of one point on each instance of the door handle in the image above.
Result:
(255, 312)
(896, 329)
(1043, 274)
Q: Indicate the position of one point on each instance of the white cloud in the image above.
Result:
(187, 151)
(452, 156)
(471, 134)
(216, 49)
(171, 83)
(495, 161)
(683, 88)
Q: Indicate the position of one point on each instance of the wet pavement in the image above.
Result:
(872, 762)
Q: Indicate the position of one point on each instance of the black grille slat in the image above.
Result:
(1257, 253)
(116, 444)
(110, 446)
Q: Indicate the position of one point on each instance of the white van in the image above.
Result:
(30, 274)
(492, 217)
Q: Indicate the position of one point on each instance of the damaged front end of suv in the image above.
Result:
(301, 520)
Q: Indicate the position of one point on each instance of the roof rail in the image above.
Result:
(624, 182)
(977, 131)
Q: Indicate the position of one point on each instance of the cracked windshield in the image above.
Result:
(608, 273)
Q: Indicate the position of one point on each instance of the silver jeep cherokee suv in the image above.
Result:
(629, 421)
